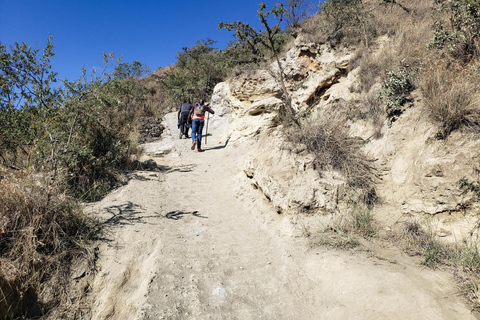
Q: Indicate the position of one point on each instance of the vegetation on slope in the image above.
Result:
(58, 146)
(63, 145)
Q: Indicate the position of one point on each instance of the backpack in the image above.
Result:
(200, 110)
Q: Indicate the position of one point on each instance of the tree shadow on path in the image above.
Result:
(122, 215)
(177, 215)
(183, 168)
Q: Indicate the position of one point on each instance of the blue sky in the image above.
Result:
(151, 32)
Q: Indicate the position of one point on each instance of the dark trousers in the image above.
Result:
(183, 123)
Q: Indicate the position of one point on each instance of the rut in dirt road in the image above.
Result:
(196, 241)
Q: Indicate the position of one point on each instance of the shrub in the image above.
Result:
(395, 92)
(41, 231)
(424, 243)
(362, 222)
(465, 185)
(458, 28)
(60, 143)
(450, 98)
(328, 140)
(96, 135)
(467, 255)
(344, 21)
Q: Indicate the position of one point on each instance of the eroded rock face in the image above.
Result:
(250, 88)
(249, 115)
(287, 177)
(418, 175)
(312, 71)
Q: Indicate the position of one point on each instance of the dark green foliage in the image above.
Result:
(26, 96)
(80, 134)
(395, 92)
(135, 70)
(99, 122)
(66, 145)
(466, 186)
(197, 71)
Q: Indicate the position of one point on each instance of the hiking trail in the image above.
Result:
(196, 241)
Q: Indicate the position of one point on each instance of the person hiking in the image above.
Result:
(198, 121)
(183, 115)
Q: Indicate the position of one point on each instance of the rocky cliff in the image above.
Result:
(416, 174)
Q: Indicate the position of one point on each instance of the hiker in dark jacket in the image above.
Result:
(198, 121)
(183, 113)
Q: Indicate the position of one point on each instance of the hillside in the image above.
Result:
(340, 177)
(257, 220)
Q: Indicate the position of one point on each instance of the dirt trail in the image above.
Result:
(197, 242)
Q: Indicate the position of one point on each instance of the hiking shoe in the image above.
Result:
(181, 135)
(193, 145)
(200, 150)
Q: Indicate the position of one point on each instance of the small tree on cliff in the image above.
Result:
(296, 11)
(266, 45)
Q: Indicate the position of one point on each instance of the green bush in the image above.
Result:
(96, 127)
(395, 92)
(55, 144)
(457, 29)
(466, 185)
(197, 70)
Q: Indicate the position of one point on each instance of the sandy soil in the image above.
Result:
(196, 241)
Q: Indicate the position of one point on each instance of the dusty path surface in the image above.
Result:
(195, 241)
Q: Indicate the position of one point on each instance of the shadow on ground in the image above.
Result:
(122, 215)
(177, 215)
(219, 147)
(184, 168)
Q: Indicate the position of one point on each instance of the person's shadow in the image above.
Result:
(221, 146)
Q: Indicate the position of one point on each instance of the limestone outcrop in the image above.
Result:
(285, 174)
(417, 174)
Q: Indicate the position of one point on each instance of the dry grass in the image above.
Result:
(347, 226)
(462, 257)
(41, 231)
(401, 42)
(451, 98)
(375, 113)
(327, 138)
